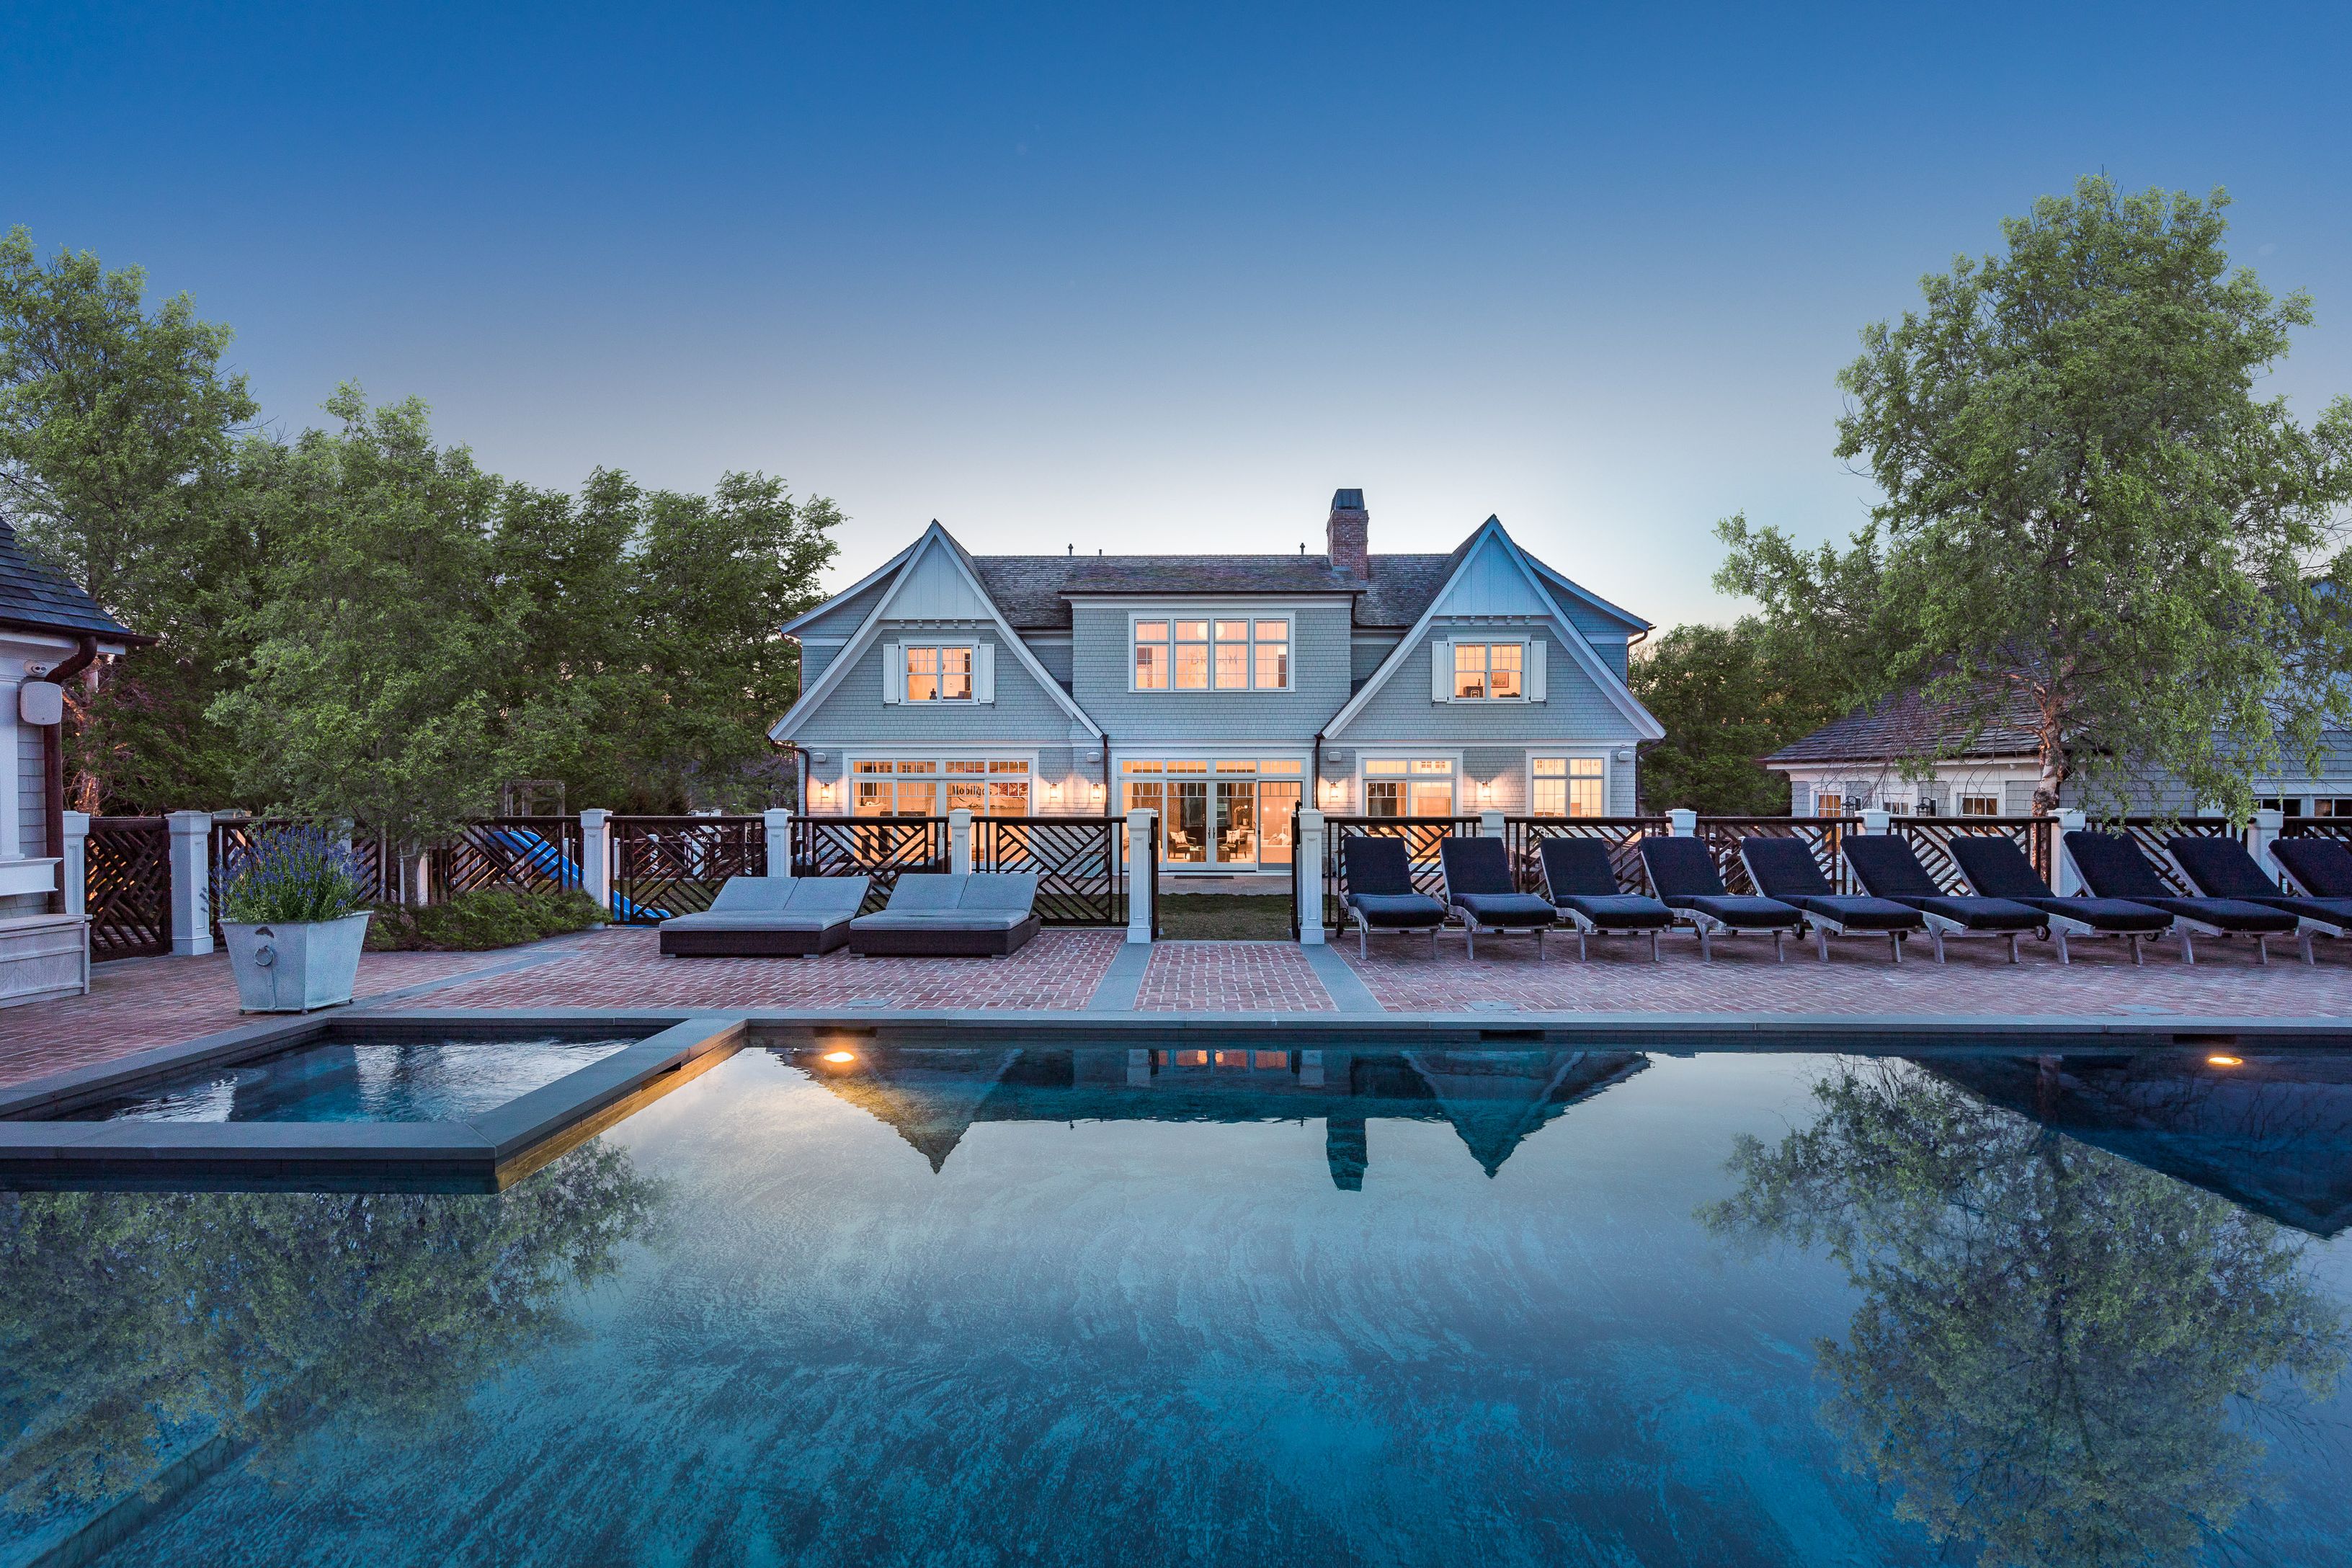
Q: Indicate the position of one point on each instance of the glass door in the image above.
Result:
(1276, 800)
(1237, 822)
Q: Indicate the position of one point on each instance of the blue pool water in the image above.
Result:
(1237, 1307)
(360, 1081)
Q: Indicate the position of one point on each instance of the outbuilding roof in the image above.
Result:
(1909, 725)
(34, 596)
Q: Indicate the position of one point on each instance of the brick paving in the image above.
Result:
(1058, 969)
(137, 1002)
(1619, 978)
(142, 1002)
(1230, 977)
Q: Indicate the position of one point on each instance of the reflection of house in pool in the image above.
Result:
(2273, 1134)
(1493, 1099)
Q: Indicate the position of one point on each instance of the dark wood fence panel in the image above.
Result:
(665, 865)
(127, 887)
(1080, 863)
(1931, 839)
(2150, 831)
(512, 854)
(876, 847)
(2337, 827)
(1821, 835)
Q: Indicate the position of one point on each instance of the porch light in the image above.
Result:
(2222, 1061)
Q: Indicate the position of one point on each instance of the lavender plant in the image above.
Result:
(291, 874)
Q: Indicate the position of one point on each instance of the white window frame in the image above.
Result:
(1211, 615)
(1571, 754)
(907, 671)
(845, 783)
(1455, 780)
(1454, 647)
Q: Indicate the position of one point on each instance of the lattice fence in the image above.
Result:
(516, 853)
(1081, 863)
(876, 847)
(127, 887)
(665, 865)
(1821, 835)
(1931, 839)
(1624, 834)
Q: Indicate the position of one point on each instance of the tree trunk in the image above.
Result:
(2050, 736)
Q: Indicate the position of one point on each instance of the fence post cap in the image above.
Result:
(2072, 820)
(593, 815)
(190, 821)
(2269, 819)
(1683, 823)
(77, 823)
(1874, 819)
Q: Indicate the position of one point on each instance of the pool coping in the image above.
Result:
(484, 1151)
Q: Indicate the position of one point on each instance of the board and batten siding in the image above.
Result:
(1319, 681)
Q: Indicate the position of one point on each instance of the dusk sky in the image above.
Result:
(1151, 281)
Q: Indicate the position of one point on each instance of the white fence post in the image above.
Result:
(2261, 833)
(1681, 824)
(1875, 820)
(780, 840)
(75, 870)
(960, 841)
(1142, 890)
(2067, 882)
(596, 857)
(192, 868)
(1309, 878)
(1490, 825)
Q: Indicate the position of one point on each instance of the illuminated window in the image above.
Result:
(1568, 786)
(1399, 786)
(939, 674)
(1488, 671)
(1233, 654)
(1979, 804)
(927, 786)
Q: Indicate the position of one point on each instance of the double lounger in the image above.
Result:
(768, 917)
(1682, 873)
(1784, 868)
(1889, 868)
(976, 914)
(2111, 867)
(1997, 869)
(2222, 869)
(1478, 887)
(1581, 884)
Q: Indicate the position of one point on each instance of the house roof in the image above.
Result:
(1909, 725)
(33, 595)
(1032, 590)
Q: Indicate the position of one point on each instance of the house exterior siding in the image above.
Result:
(853, 711)
(1573, 708)
(1103, 652)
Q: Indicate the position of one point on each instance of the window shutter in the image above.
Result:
(1537, 648)
(983, 672)
(893, 672)
(1441, 671)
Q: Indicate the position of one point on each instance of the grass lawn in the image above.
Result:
(1225, 917)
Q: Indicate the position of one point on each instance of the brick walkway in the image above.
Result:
(1230, 977)
(149, 1002)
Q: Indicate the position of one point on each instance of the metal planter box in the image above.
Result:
(295, 966)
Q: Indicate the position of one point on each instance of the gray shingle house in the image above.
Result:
(1215, 689)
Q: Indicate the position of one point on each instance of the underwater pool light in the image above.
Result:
(841, 1058)
(2217, 1059)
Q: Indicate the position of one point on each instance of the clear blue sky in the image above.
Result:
(1151, 279)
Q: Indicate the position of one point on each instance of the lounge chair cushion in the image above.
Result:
(741, 919)
(2105, 914)
(2321, 864)
(1578, 867)
(917, 890)
(1998, 868)
(1369, 863)
(1014, 890)
(1513, 910)
(1979, 914)
(2221, 867)
(1861, 913)
(1743, 913)
(1620, 911)
(1889, 868)
(2115, 868)
(1475, 865)
(942, 919)
(1394, 912)
(1681, 868)
(835, 897)
(747, 895)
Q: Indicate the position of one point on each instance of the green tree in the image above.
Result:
(1727, 697)
(129, 1319)
(120, 467)
(2055, 1347)
(380, 631)
(2083, 494)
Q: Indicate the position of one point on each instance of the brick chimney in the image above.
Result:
(1348, 535)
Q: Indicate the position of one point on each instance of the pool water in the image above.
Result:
(360, 1081)
(1241, 1306)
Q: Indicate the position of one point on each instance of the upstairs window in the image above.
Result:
(939, 674)
(1212, 655)
(1490, 671)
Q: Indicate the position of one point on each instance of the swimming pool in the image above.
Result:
(844, 1301)
(360, 1080)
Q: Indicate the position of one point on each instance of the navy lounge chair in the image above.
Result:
(2319, 868)
(1785, 870)
(980, 914)
(2222, 869)
(1478, 883)
(2113, 867)
(1890, 869)
(1997, 869)
(1582, 886)
(1682, 873)
(768, 917)
(1380, 894)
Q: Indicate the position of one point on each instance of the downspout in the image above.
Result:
(53, 766)
(1111, 806)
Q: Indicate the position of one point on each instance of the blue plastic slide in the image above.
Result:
(552, 863)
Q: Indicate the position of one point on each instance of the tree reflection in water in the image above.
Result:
(2057, 1350)
(131, 1322)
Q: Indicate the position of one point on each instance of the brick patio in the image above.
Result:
(148, 1002)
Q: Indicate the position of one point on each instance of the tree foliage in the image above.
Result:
(2083, 494)
(1726, 696)
(2055, 1347)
